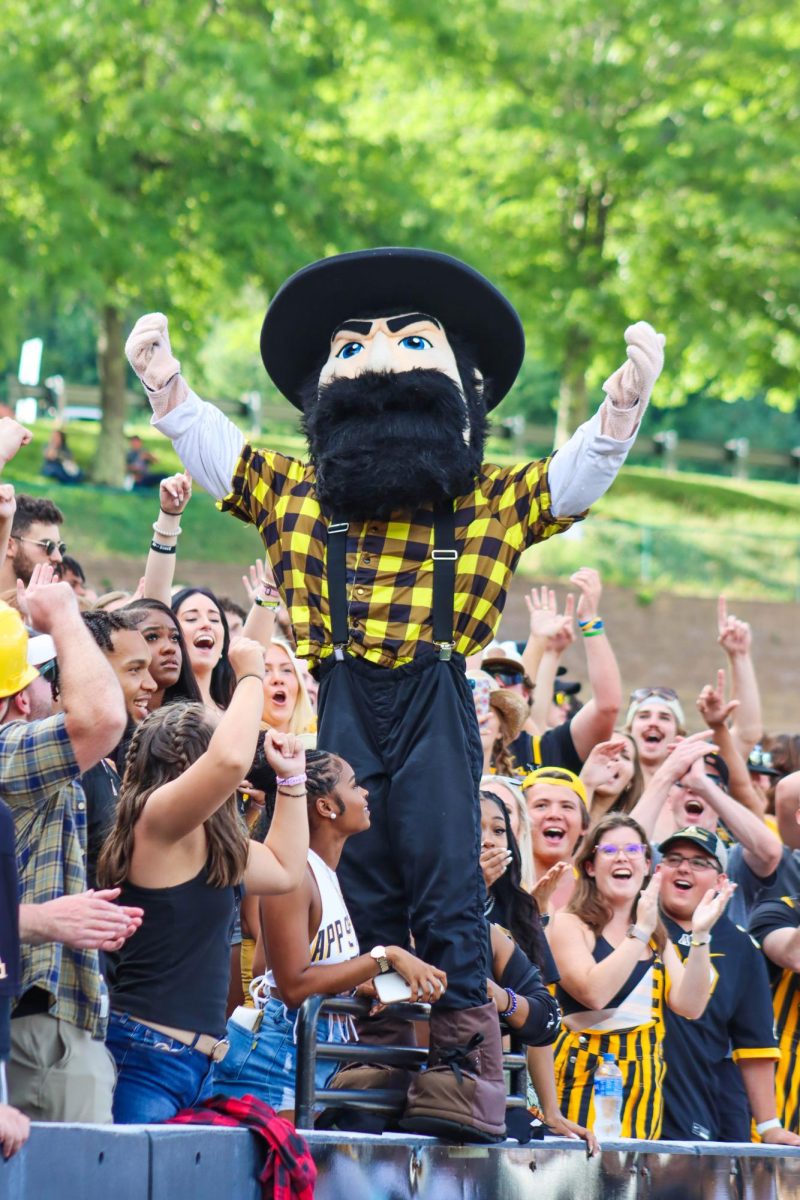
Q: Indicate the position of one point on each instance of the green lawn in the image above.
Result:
(688, 533)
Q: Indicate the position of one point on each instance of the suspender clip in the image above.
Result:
(338, 653)
(445, 651)
(338, 527)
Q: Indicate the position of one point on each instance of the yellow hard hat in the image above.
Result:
(15, 671)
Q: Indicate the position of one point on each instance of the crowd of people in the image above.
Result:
(170, 834)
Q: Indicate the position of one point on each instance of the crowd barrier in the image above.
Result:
(83, 1162)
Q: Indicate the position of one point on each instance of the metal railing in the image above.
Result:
(377, 1100)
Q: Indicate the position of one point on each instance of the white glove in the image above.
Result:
(149, 353)
(635, 379)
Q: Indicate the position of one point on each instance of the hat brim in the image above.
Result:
(312, 303)
(513, 711)
(25, 680)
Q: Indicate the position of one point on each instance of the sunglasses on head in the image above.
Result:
(760, 758)
(49, 670)
(664, 693)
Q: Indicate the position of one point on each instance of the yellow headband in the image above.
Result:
(559, 777)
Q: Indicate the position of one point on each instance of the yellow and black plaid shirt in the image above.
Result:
(389, 563)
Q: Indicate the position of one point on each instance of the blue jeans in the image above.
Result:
(264, 1064)
(156, 1076)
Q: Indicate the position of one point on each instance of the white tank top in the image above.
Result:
(336, 939)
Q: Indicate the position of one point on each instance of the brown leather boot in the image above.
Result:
(387, 1029)
(462, 1095)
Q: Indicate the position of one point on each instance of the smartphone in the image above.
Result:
(481, 691)
(391, 987)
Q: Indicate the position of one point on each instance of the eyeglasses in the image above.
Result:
(664, 693)
(632, 849)
(697, 864)
(48, 545)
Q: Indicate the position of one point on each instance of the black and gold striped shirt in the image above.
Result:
(389, 563)
(766, 918)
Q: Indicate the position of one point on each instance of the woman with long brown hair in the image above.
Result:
(614, 958)
(179, 846)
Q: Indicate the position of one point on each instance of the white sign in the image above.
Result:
(30, 362)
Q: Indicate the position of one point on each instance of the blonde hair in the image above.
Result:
(302, 718)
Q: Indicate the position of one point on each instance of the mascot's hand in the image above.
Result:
(149, 353)
(635, 379)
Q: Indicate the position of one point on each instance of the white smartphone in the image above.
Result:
(391, 987)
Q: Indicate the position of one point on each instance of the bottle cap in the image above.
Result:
(608, 1057)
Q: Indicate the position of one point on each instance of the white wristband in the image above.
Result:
(773, 1123)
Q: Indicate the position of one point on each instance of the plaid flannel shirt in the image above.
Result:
(38, 781)
(389, 563)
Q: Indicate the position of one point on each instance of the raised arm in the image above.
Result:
(173, 495)
(91, 697)
(562, 635)
(206, 441)
(12, 437)
(787, 807)
(651, 802)
(761, 847)
(265, 601)
(595, 722)
(715, 712)
(177, 808)
(584, 469)
(736, 639)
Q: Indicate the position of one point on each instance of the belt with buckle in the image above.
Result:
(213, 1048)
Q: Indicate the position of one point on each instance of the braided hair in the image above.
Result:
(162, 749)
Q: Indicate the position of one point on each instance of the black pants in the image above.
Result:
(411, 736)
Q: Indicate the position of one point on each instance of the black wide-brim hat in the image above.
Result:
(312, 303)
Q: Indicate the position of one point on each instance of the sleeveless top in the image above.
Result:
(639, 1002)
(336, 940)
(175, 969)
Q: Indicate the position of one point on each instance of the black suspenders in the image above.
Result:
(445, 555)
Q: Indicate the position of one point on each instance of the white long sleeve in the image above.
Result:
(206, 441)
(584, 469)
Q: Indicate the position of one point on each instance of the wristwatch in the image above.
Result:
(633, 931)
(379, 954)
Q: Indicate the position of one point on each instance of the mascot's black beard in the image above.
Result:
(393, 440)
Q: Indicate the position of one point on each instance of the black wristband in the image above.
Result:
(173, 513)
(159, 549)
(249, 675)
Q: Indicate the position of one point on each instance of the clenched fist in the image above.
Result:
(635, 379)
(149, 352)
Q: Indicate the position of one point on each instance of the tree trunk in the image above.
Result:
(573, 407)
(109, 463)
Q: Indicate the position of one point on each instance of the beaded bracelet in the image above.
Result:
(159, 549)
(512, 1003)
(166, 532)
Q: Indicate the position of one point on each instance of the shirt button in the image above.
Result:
(360, 591)
(81, 806)
(366, 558)
(354, 625)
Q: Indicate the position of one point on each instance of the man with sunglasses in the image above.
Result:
(703, 1097)
(35, 538)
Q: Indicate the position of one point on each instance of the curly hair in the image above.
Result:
(162, 749)
(103, 625)
(32, 510)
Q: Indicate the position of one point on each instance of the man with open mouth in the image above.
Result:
(704, 1085)
(393, 548)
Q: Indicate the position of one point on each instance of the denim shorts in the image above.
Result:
(264, 1063)
(156, 1076)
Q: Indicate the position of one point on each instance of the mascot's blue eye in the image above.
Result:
(350, 350)
(414, 342)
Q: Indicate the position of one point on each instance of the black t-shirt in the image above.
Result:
(766, 918)
(555, 748)
(738, 1016)
(101, 786)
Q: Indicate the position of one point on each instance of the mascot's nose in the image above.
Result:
(380, 353)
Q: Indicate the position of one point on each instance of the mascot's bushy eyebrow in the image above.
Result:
(394, 324)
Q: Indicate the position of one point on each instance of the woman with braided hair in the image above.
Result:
(179, 846)
(312, 947)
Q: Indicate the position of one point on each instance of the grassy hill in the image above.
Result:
(688, 533)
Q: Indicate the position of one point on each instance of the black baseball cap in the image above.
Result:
(296, 334)
(704, 838)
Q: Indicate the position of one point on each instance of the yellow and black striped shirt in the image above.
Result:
(768, 917)
(389, 563)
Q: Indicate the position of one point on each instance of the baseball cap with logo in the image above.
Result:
(704, 838)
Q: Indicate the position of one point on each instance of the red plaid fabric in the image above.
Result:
(289, 1172)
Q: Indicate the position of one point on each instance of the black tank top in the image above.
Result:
(602, 949)
(176, 968)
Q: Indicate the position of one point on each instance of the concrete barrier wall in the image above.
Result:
(82, 1162)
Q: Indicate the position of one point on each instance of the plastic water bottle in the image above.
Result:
(607, 1100)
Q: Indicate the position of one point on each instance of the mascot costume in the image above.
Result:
(393, 548)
